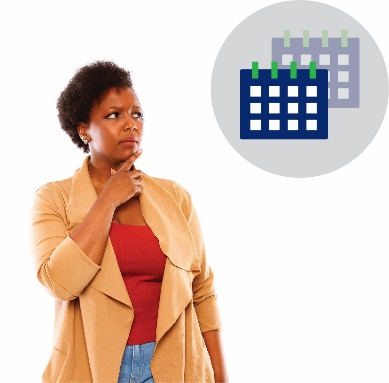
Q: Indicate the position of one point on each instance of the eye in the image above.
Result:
(112, 115)
(138, 115)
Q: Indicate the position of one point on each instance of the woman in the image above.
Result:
(122, 252)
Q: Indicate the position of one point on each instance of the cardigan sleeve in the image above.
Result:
(204, 294)
(61, 266)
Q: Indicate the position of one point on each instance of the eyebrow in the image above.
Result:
(120, 107)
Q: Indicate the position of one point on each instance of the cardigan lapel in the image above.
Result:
(176, 294)
(164, 216)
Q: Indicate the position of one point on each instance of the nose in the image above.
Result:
(130, 127)
(129, 124)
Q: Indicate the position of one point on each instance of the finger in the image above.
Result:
(135, 174)
(130, 161)
(136, 182)
(113, 171)
(138, 190)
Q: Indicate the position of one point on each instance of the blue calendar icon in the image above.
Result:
(284, 103)
(340, 56)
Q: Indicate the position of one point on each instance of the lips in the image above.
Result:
(130, 142)
(130, 139)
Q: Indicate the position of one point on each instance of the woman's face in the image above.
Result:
(115, 128)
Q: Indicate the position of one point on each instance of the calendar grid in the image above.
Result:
(283, 103)
(340, 56)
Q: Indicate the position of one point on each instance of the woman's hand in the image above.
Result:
(124, 183)
(213, 343)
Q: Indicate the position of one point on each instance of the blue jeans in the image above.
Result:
(135, 367)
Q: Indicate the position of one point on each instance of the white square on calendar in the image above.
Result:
(311, 107)
(274, 124)
(255, 91)
(311, 124)
(255, 108)
(286, 59)
(255, 124)
(324, 59)
(305, 59)
(343, 94)
(293, 107)
(274, 107)
(311, 91)
(293, 91)
(274, 91)
(293, 125)
(343, 59)
(343, 76)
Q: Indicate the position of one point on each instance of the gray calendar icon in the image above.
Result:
(340, 56)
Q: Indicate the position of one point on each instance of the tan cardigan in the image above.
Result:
(94, 313)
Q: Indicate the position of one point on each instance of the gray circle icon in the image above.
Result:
(267, 89)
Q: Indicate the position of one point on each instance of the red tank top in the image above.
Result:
(142, 263)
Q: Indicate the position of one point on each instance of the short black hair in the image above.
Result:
(89, 85)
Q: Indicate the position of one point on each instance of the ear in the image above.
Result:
(82, 129)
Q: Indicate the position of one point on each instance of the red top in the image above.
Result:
(142, 264)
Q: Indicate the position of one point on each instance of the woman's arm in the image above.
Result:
(66, 264)
(213, 342)
(92, 233)
(61, 266)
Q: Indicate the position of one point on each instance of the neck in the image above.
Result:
(100, 173)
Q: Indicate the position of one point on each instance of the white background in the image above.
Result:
(301, 265)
